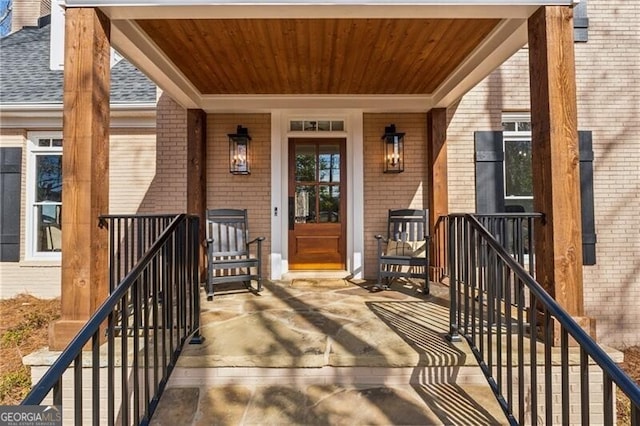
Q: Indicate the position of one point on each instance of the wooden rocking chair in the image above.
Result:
(404, 253)
(229, 257)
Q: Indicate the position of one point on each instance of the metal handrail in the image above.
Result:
(486, 282)
(164, 288)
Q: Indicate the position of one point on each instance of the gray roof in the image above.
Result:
(25, 76)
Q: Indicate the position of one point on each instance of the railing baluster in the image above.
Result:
(95, 377)
(607, 398)
(508, 325)
(584, 387)
(548, 366)
(564, 373)
(521, 334)
(77, 389)
(533, 354)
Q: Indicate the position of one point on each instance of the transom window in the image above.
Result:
(44, 195)
(518, 174)
(316, 125)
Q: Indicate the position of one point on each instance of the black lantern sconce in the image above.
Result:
(239, 151)
(393, 150)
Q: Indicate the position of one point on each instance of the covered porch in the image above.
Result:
(275, 62)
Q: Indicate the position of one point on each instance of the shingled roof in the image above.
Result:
(25, 76)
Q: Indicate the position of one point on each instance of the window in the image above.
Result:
(504, 174)
(316, 125)
(518, 176)
(44, 196)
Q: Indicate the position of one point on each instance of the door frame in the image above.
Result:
(354, 137)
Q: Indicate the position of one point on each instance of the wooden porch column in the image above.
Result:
(437, 184)
(556, 161)
(197, 174)
(85, 171)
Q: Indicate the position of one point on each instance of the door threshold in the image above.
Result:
(296, 275)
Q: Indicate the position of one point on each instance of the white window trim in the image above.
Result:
(30, 216)
(514, 136)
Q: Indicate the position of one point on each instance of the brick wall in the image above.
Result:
(251, 192)
(393, 190)
(167, 192)
(608, 86)
(132, 169)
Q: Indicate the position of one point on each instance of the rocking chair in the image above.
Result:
(229, 257)
(404, 253)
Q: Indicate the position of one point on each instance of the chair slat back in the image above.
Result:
(407, 225)
(228, 231)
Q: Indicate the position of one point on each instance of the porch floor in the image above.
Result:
(327, 351)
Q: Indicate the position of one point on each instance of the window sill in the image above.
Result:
(40, 263)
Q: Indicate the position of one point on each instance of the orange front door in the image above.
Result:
(317, 207)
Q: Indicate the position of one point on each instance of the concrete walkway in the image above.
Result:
(327, 352)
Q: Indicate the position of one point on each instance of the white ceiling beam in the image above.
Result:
(508, 37)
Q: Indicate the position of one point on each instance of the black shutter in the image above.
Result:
(580, 22)
(10, 171)
(489, 172)
(586, 198)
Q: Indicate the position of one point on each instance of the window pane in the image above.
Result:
(524, 126)
(310, 126)
(56, 142)
(337, 126)
(329, 162)
(517, 167)
(324, 126)
(49, 227)
(296, 126)
(509, 126)
(305, 204)
(44, 142)
(305, 163)
(329, 203)
(49, 178)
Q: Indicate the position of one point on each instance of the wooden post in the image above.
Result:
(437, 184)
(85, 171)
(556, 159)
(197, 174)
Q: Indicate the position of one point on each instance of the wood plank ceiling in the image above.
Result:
(317, 56)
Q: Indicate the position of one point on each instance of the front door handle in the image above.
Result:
(292, 213)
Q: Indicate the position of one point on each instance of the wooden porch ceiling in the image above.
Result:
(317, 56)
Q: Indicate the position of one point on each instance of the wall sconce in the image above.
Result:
(239, 151)
(393, 150)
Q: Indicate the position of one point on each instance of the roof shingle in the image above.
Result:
(25, 76)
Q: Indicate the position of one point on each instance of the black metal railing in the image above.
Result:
(130, 237)
(514, 231)
(542, 366)
(157, 301)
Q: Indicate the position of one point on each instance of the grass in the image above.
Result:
(24, 329)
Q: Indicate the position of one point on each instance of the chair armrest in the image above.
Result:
(380, 237)
(255, 240)
(208, 241)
